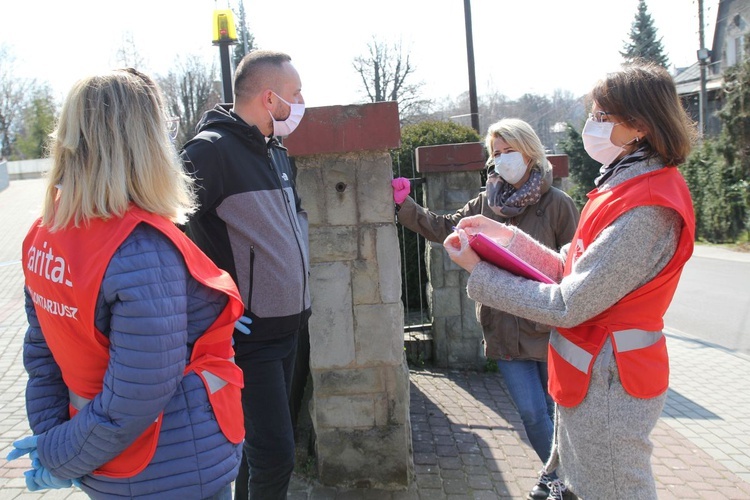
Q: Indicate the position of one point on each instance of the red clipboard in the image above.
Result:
(503, 258)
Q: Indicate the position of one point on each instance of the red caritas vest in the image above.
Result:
(64, 271)
(634, 324)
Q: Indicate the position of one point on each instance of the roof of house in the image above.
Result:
(687, 80)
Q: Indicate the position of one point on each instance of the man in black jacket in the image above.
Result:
(251, 224)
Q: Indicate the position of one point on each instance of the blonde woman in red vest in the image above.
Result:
(132, 390)
(608, 365)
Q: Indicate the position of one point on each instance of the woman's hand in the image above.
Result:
(401, 188)
(499, 232)
(457, 246)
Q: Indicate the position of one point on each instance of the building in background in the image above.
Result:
(728, 48)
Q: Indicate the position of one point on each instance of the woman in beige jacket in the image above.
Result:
(519, 193)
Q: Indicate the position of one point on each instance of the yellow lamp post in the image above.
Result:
(224, 35)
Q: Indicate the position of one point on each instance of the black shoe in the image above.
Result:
(558, 491)
(540, 491)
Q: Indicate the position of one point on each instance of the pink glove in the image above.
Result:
(401, 187)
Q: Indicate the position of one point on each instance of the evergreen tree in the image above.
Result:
(717, 172)
(643, 44)
(38, 119)
(245, 40)
(583, 168)
(734, 144)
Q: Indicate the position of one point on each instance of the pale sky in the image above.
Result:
(520, 46)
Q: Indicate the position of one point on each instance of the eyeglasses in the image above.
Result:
(173, 126)
(599, 116)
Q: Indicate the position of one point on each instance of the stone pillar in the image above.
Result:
(360, 404)
(452, 177)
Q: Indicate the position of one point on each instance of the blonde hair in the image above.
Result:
(111, 148)
(520, 136)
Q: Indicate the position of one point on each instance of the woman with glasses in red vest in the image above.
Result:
(608, 363)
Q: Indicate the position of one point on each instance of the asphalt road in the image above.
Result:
(712, 301)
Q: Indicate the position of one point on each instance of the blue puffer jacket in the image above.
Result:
(153, 311)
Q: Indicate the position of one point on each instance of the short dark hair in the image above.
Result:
(645, 92)
(252, 74)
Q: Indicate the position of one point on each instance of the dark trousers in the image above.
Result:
(268, 453)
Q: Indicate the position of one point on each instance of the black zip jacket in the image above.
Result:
(250, 222)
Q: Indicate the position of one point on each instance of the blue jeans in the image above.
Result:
(527, 383)
(268, 452)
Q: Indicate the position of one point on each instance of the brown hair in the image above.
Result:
(646, 93)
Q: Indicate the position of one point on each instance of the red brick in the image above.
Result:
(469, 157)
(344, 129)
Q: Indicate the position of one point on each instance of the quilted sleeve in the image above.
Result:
(46, 393)
(144, 289)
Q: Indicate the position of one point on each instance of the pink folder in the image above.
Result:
(503, 258)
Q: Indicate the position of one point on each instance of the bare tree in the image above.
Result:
(13, 92)
(387, 73)
(128, 55)
(546, 115)
(190, 90)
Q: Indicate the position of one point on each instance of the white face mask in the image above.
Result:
(285, 127)
(510, 166)
(597, 142)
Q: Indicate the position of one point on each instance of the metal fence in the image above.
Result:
(417, 318)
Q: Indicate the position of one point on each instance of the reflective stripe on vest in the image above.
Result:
(625, 340)
(579, 358)
(77, 401)
(214, 383)
(630, 340)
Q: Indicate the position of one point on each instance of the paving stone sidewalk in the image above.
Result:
(468, 439)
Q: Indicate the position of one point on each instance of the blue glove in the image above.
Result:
(22, 447)
(240, 325)
(41, 478)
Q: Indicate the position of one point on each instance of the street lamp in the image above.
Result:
(703, 56)
(474, 108)
(225, 35)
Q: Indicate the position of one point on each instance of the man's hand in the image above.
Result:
(240, 325)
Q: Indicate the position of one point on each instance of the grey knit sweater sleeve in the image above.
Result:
(626, 255)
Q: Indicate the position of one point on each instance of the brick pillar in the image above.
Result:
(360, 406)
